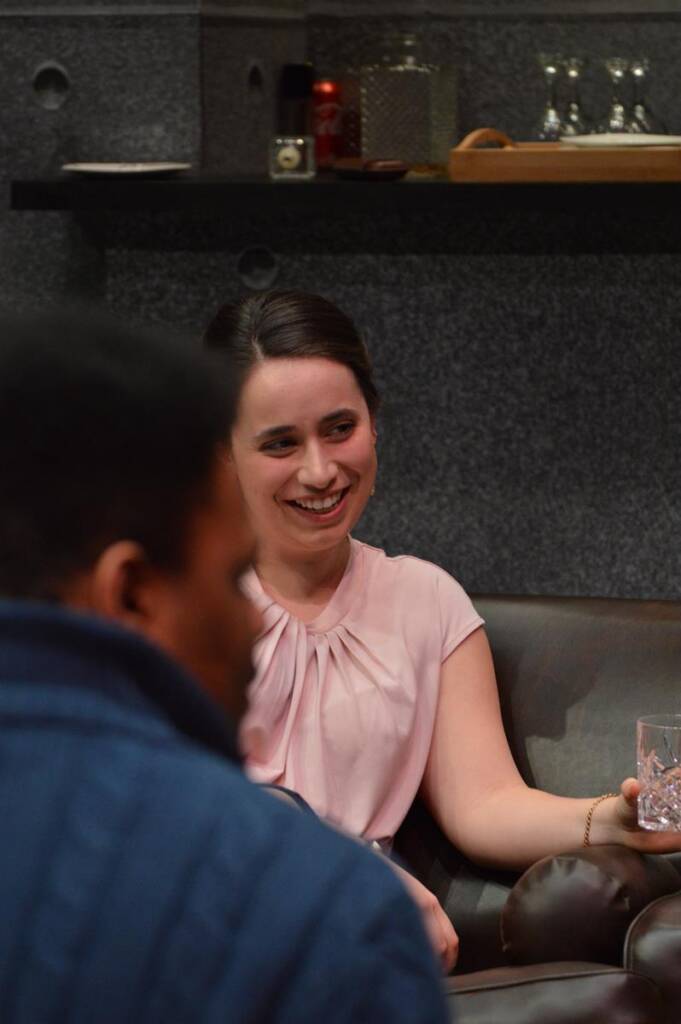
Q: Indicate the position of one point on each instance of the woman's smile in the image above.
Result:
(321, 510)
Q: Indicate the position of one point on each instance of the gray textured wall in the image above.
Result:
(133, 95)
(530, 430)
(529, 436)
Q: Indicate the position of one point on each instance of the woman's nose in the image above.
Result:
(317, 470)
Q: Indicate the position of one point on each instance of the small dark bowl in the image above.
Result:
(356, 168)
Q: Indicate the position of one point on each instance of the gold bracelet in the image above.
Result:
(590, 814)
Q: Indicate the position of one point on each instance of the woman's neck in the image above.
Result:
(301, 583)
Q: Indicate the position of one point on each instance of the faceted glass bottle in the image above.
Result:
(408, 107)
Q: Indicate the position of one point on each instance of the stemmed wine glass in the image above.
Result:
(550, 124)
(616, 119)
(574, 121)
(642, 117)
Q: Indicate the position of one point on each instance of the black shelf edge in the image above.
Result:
(323, 194)
(328, 214)
(207, 194)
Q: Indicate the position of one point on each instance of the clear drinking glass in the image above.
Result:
(575, 121)
(658, 754)
(617, 119)
(642, 117)
(550, 127)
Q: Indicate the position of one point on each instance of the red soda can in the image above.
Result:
(327, 119)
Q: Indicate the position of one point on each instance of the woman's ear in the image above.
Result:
(374, 432)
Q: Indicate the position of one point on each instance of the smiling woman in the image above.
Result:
(374, 679)
(304, 449)
(305, 437)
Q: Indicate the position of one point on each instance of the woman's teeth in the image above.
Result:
(320, 504)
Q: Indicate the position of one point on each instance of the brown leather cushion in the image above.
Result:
(653, 947)
(579, 905)
(555, 993)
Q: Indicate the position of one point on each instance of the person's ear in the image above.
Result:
(374, 432)
(122, 584)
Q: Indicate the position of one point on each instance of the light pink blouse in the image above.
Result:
(342, 708)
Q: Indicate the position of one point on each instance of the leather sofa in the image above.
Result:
(593, 935)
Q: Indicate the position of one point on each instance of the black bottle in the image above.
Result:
(294, 113)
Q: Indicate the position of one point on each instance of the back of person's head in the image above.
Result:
(105, 433)
(290, 324)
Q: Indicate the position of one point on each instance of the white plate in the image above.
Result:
(620, 139)
(126, 169)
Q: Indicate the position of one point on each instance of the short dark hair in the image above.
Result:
(285, 324)
(106, 433)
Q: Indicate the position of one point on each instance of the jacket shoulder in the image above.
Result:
(296, 923)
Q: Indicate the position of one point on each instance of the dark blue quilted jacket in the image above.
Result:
(143, 879)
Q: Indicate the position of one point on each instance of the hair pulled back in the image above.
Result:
(290, 324)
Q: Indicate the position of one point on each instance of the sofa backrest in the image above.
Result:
(574, 674)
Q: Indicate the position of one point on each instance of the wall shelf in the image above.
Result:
(328, 215)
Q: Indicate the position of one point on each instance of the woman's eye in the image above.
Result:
(278, 447)
(342, 429)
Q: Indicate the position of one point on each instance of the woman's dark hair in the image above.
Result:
(286, 324)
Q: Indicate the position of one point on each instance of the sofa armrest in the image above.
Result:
(653, 948)
(555, 993)
(579, 905)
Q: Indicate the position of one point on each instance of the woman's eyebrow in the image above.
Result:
(337, 415)
(269, 432)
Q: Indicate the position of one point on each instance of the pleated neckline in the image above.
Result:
(339, 604)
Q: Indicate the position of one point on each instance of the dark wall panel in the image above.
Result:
(239, 79)
(132, 95)
(529, 433)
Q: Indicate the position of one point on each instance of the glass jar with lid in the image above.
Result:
(408, 106)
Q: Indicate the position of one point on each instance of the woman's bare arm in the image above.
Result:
(475, 791)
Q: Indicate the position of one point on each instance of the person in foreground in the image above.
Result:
(374, 676)
(142, 877)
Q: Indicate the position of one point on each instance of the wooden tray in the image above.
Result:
(555, 161)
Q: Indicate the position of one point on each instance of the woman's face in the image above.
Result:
(304, 451)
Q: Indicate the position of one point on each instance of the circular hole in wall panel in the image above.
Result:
(51, 85)
(257, 267)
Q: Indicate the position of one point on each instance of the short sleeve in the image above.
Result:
(458, 617)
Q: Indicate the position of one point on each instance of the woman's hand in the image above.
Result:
(624, 828)
(440, 930)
